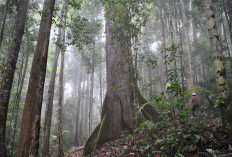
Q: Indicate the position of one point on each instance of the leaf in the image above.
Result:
(168, 85)
(180, 155)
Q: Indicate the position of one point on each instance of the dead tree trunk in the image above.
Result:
(30, 126)
(219, 66)
(8, 72)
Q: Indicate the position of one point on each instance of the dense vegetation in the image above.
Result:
(116, 77)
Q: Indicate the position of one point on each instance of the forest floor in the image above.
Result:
(200, 136)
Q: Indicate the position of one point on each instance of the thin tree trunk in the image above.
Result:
(148, 67)
(229, 8)
(82, 112)
(100, 83)
(49, 104)
(225, 37)
(76, 141)
(87, 102)
(61, 82)
(91, 100)
(8, 72)
(30, 126)
(18, 97)
(61, 99)
(219, 66)
(3, 22)
(188, 46)
(163, 42)
(51, 89)
(18, 86)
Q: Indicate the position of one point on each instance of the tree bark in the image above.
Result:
(122, 90)
(3, 22)
(87, 102)
(219, 66)
(163, 42)
(82, 113)
(100, 83)
(61, 82)
(61, 99)
(30, 126)
(229, 11)
(91, 100)
(188, 46)
(8, 72)
(18, 96)
(77, 125)
(148, 67)
(49, 106)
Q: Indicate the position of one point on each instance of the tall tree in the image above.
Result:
(51, 88)
(188, 45)
(78, 97)
(61, 82)
(122, 90)
(30, 126)
(19, 92)
(229, 12)
(8, 72)
(163, 41)
(3, 22)
(219, 66)
(149, 68)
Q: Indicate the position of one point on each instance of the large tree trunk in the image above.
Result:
(3, 22)
(30, 126)
(8, 72)
(188, 46)
(122, 90)
(219, 66)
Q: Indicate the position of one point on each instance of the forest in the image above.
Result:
(130, 78)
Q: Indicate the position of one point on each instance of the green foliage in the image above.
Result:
(83, 31)
(130, 15)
